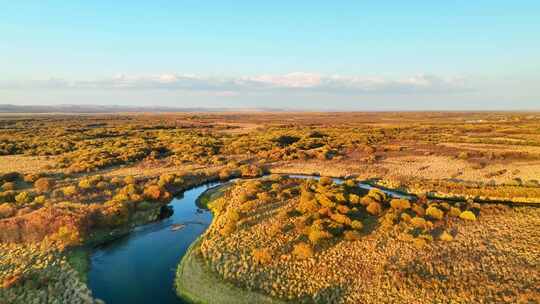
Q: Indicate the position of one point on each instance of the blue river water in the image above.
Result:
(140, 267)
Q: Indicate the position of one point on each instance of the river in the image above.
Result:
(140, 267)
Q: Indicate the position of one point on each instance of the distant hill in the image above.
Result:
(8, 108)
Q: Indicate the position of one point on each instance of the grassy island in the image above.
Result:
(283, 239)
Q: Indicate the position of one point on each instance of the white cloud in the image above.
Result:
(230, 86)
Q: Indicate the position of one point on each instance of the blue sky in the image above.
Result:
(348, 55)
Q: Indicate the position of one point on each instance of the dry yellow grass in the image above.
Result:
(427, 167)
(25, 164)
(441, 167)
(156, 169)
(494, 147)
(492, 260)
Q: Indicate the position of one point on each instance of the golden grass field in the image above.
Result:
(65, 179)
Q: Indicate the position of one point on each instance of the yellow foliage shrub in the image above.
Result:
(233, 216)
(227, 229)
(350, 183)
(166, 179)
(405, 217)
(316, 235)
(325, 201)
(340, 218)
(307, 202)
(445, 236)
(351, 235)
(357, 225)
(343, 209)
(325, 181)
(70, 190)
(23, 198)
(66, 236)
(340, 197)
(40, 199)
(302, 251)
(374, 208)
(85, 184)
(400, 204)
(366, 200)
(435, 212)
(419, 210)
(418, 222)
(455, 212)
(377, 195)
(354, 199)
(468, 215)
(152, 192)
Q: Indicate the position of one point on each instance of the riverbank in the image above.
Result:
(212, 194)
(196, 283)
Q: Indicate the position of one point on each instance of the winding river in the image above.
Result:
(140, 267)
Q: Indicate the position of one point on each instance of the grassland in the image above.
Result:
(77, 180)
(40, 274)
(306, 241)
